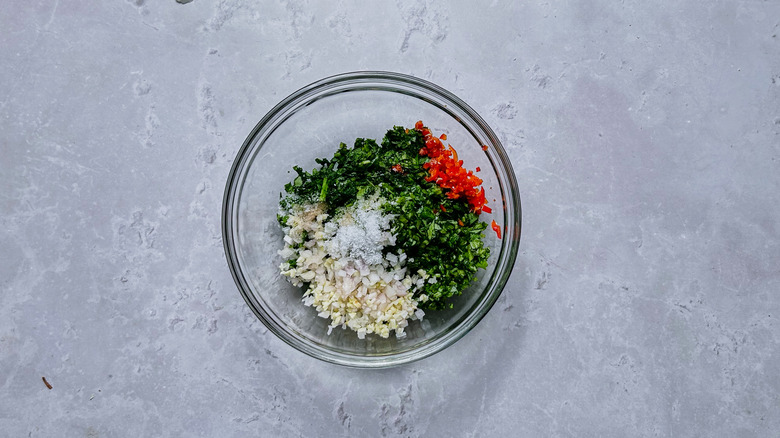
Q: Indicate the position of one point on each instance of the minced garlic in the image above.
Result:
(349, 279)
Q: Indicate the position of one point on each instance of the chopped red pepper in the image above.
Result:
(460, 222)
(484, 147)
(443, 136)
(442, 208)
(447, 171)
(478, 169)
(496, 228)
(397, 168)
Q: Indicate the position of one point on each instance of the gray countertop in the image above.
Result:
(645, 137)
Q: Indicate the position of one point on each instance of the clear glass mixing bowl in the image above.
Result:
(310, 124)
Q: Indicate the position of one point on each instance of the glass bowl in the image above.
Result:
(310, 124)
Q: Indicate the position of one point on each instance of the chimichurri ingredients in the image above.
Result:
(381, 231)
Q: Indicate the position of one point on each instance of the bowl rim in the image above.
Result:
(512, 217)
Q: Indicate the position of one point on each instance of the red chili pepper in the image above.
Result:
(448, 172)
(496, 228)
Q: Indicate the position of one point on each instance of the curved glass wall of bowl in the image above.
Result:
(310, 124)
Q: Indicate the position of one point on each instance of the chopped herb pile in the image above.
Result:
(435, 215)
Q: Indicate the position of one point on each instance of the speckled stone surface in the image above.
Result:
(645, 137)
